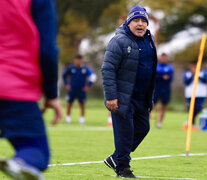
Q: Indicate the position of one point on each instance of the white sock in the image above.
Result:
(82, 120)
(159, 125)
(68, 119)
(109, 119)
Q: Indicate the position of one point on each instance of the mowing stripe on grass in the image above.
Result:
(135, 159)
(82, 128)
(143, 177)
(150, 177)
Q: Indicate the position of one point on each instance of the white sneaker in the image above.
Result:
(18, 170)
(82, 120)
(68, 119)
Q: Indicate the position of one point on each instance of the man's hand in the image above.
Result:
(85, 88)
(68, 87)
(112, 104)
(55, 105)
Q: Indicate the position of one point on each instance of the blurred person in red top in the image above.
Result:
(28, 68)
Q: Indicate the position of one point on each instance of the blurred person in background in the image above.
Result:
(164, 78)
(128, 73)
(109, 119)
(201, 91)
(78, 78)
(28, 68)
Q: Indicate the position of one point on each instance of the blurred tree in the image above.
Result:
(190, 53)
(91, 9)
(62, 7)
(74, 28)
(110, 17)
(77, 19)
(180, 15)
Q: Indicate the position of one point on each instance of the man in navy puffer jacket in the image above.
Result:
(128, 73)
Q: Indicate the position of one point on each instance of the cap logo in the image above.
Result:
(142, 13)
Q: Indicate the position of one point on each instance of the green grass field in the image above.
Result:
(94, 141)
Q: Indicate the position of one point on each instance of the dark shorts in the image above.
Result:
(79, 94)
(199, 102)
(163, 95)
(21, 119)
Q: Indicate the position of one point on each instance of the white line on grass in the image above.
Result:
(138, 158)
(78, 163)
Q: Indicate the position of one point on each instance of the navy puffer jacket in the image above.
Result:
(120, 67)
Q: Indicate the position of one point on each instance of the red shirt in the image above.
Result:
(20, 74)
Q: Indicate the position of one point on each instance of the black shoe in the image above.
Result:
(109, 161)
(126, 173)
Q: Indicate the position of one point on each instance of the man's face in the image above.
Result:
(78, 62)
(193, 68)
(163, 59)
(138, 27)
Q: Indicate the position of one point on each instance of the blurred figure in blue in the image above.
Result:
(78, 79)
(28, 69)
(201, 91)
(164, 79)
